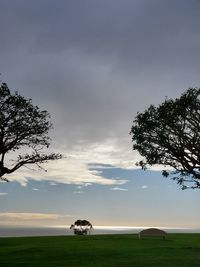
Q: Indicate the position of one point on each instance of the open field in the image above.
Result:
(101, 250)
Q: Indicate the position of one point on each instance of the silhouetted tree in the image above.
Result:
(22, 125)
(170, 135)
(81, 227)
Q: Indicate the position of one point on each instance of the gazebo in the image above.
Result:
(152, 232)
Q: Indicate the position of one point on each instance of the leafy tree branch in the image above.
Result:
(169, 135)
(22, 125)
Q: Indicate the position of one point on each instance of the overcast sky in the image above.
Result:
(93, 64)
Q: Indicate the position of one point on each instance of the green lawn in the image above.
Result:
(101, 250)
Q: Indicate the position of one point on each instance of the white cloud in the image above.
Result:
(76, 167)
(78, 192)
(30, 216)
(83, 185)
(82, 164)
(52, 183)
(3, 194)
(36, 189)
(144, 186)
(34, 219)
(118, 189)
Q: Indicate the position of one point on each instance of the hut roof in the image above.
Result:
(153, 231)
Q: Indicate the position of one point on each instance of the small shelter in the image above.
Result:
(154, 232)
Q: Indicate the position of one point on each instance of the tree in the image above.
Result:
(22, 125)
(170, 135)
(81, 227)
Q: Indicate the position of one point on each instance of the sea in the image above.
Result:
(98, 230)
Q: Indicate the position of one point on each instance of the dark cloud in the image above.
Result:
(94, 64)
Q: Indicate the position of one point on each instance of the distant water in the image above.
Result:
(58, 231)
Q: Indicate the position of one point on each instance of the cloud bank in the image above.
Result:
(93, 65)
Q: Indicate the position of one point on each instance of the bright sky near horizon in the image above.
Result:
(93, 64)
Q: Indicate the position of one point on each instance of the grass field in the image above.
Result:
(101, 250)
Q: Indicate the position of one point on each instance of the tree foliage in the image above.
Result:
(170, 135)
(81, 227)
(22, 125)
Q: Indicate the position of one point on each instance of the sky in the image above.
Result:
(93, 65)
